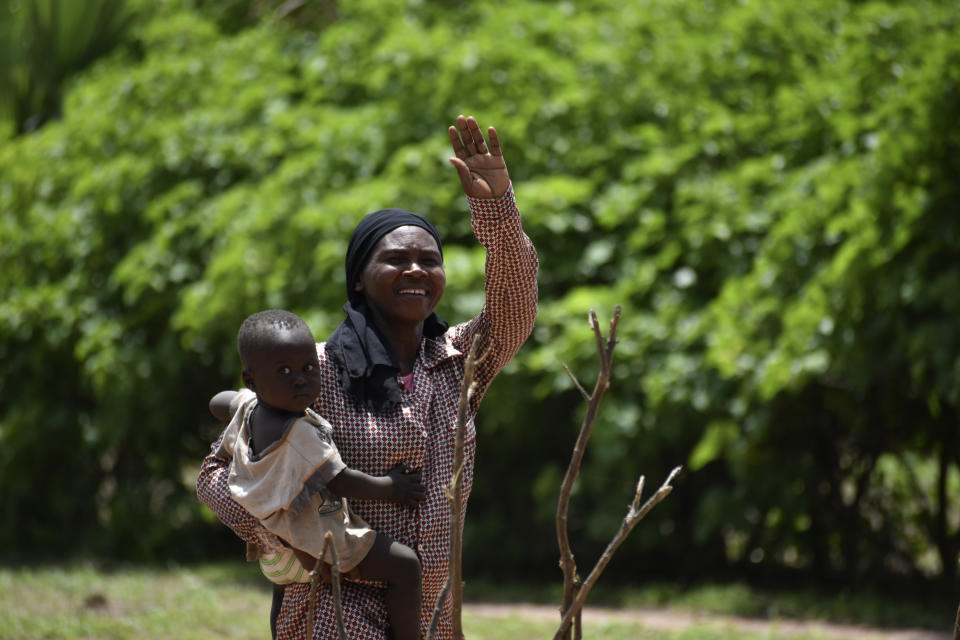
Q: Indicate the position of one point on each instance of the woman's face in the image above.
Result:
(403, 279)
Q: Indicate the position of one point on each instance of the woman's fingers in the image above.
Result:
(470, 136)
(476, 135)
(456, 143)
(466, 180)
(494, 142)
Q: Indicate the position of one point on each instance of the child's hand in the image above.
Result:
(405, 486)
(220, 405)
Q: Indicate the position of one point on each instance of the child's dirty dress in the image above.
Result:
(285, 488)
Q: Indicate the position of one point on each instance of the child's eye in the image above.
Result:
(285, 370)
(309, 368)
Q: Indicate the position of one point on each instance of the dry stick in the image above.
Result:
(454, 584)
(315, 579)
(312, 596)
(576, 382)
(956, 626)
(335, 585)
(634, 515)
(571, 581)
(435, 620)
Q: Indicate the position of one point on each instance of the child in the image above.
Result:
(285, 469)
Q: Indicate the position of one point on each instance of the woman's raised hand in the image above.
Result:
(483, 173)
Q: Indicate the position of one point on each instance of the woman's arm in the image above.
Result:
(510, 309)
(510, 282)
(213, 491)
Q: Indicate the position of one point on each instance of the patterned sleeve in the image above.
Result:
(213, 491)
(510, 308)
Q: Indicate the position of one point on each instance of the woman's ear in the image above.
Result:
(358, 285)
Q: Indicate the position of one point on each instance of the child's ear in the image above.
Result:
(248, 380)
(358, 285)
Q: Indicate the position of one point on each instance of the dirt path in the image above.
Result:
(667, 620)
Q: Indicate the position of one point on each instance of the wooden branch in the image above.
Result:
(289, 7)
(583, 392)
(312, 601)
(634, 515)
(438, 609)
(335, 586)
(316, 577)
(571, 581)
(956, 626)
(454, 491)
(575, 591)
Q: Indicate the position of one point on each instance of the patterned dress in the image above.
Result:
(419, 433)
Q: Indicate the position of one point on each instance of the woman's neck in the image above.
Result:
(404, 342)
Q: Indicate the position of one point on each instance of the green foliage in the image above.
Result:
(768, 189)
(44, 42)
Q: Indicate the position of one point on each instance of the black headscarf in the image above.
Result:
(368, 370)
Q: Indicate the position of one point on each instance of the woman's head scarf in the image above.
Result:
(368, 369)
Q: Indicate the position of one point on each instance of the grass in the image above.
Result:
(83, 602)
(866, 606)
(512, 628)
(231, 600)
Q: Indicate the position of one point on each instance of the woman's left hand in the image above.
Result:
(483, 173)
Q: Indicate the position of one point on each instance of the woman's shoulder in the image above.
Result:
(329, 377)
(459, 337)
(324, 356)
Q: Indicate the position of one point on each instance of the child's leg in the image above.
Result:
(275, 609)
(397, 565)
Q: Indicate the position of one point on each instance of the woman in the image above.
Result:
(391, 379)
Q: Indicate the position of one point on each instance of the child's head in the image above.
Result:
(279, 360)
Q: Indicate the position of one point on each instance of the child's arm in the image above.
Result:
(220, 405)
(399, 485)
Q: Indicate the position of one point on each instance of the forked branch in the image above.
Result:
(956, 626)
(634, 515)
(453, 588)
(571, 581)
(574, 591)
(316, 577)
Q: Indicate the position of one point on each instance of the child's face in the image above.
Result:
(286, 373)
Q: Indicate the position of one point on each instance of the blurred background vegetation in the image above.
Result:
(769, 189)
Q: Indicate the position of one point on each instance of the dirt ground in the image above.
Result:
(667, 620)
